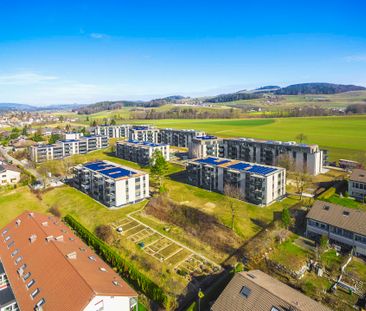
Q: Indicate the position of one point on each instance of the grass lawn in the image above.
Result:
(290, 255)
(14, 202)
(331, 261)
(357, 267)
(248, 218)
(347, 202)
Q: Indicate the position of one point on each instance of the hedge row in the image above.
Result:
(125, 268)
(328, 193)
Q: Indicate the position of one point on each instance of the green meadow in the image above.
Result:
(344, 137)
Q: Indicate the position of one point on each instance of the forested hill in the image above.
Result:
(112, 105)
(317, 88)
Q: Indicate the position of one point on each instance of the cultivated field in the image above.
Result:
(344, 137)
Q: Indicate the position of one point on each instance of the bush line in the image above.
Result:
(125, 268)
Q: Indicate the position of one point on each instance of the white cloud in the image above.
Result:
(96, 35)
(24, 78)
(356, 58)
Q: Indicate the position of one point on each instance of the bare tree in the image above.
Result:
(301, 137)
(233, 192)
(301, 180)
(287, 162)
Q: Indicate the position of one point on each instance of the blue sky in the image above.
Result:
(57, 52)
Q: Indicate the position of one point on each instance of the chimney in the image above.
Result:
(71, 255)
(32, 238)
(17, 222)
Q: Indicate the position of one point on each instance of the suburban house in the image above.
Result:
(67, 147)
(45, 266)
(9, 174)
(178, 138)
(357, 184)
(257, 184)
(343, 226)
(111, 184)
(205, 146)
(140, 151)
(257, 291)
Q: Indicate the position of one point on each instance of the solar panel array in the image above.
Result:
(109, 169)
(144, 143)
(240, 166)
(206, 137)
(213, 161)
(262, 170)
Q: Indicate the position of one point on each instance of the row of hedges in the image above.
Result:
(125, 268)
(327, 194)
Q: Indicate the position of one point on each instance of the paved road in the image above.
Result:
(9, 158)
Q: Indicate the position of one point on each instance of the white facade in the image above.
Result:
(73, 135)
(306, 158)
(111, 303)
(144, 133)
(204, 146)
(257, 184)
(140, 152)
(67, 147)
(8, 176)
(112, 184)
(112, 131)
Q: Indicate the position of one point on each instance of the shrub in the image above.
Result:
(125, 268)
(328, 193)
(104, 233)
(55, 211)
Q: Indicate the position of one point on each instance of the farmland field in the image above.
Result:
(344, 137)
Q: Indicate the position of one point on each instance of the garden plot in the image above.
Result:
(184, 261)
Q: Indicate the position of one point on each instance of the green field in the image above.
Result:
(344, 137)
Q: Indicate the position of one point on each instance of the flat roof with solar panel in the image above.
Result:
(239, 165)
(141, 143)
(111, 170)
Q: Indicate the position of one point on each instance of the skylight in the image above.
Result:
(245, 291)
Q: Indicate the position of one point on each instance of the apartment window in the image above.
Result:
(35, 293)
(92, 258)
(11, 244)
(30, 283)
(7, 238)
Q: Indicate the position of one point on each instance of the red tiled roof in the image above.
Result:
(58, 262)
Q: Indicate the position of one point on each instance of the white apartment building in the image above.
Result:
(257, 184)
(112, 131)
(111, 184)
(140, 151)
(9, 174)
(307, 158)
(67, 147)
(357, 184)
(177, 137)
(72, 135)
(205, 146)
(144, 133)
